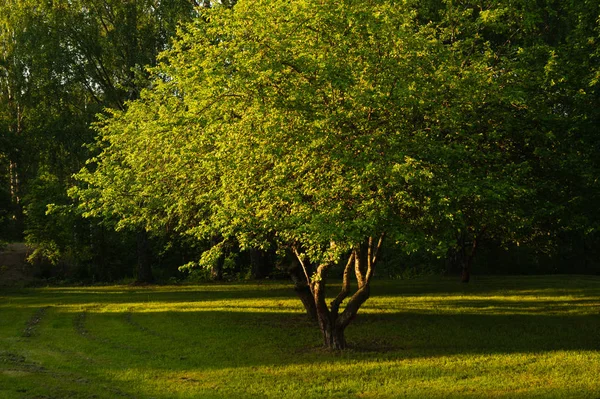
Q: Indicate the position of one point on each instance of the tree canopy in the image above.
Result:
(323, 128)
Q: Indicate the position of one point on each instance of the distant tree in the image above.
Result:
(525, 189)
(63, 62)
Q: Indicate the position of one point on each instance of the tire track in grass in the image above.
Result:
(79, 323)
(18, 363)
(33, 322)
(32, 327)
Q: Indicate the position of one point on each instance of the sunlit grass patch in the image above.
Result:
(505, 337)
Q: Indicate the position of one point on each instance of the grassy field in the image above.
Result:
(498, 337)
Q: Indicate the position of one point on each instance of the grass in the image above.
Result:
(498, 337)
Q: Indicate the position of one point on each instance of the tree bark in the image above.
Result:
(327, 321)
(334, 337)
(465, 275)
(331, 322)
(302, 289)
(216, 271)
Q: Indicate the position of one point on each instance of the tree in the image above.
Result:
(323, 128)
(62, 63)
(512, 185)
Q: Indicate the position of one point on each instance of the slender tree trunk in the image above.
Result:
(14, 183)
(465, 275)
(144, 268)
(259, 263)
(468, 256)
(216, 272)
(15, 157)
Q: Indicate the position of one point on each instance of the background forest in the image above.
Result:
(515, 84)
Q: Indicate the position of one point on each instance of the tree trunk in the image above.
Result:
(332, 322)
(259, 263)
(15, 157)
(468, 256)
(144, 269)
(216, 271)
(465, 275)
(333, 336)
(302, 289)
(303, 292)
(14, 184)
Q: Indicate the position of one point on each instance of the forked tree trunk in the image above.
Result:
(331, 322)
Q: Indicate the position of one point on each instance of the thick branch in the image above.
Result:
(369, 259)
(318, 290)
(373, 259)
(335, 304)
(353, 306)
(360, 277)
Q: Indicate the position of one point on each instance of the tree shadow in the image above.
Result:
(223, 339)
(456, 321)
(415, 334)
(156, 294)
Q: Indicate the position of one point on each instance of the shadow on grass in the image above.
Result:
(439, 320)
(156, 294)
(523, 286)
(221, 339)
(414, 334)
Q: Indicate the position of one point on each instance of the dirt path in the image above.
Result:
(14, 269)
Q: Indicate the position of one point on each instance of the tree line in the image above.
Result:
(310, 138)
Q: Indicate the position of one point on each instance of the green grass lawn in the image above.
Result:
(509, 337)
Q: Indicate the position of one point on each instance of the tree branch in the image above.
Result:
(360, 277)
(369, 258)
(303, 268)
(373, 259)
(353, 305)
(335, 304)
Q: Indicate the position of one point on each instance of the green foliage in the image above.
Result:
(275, 124)
(317, 126)
(63, 62)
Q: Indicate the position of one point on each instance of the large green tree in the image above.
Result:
(324, 129)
